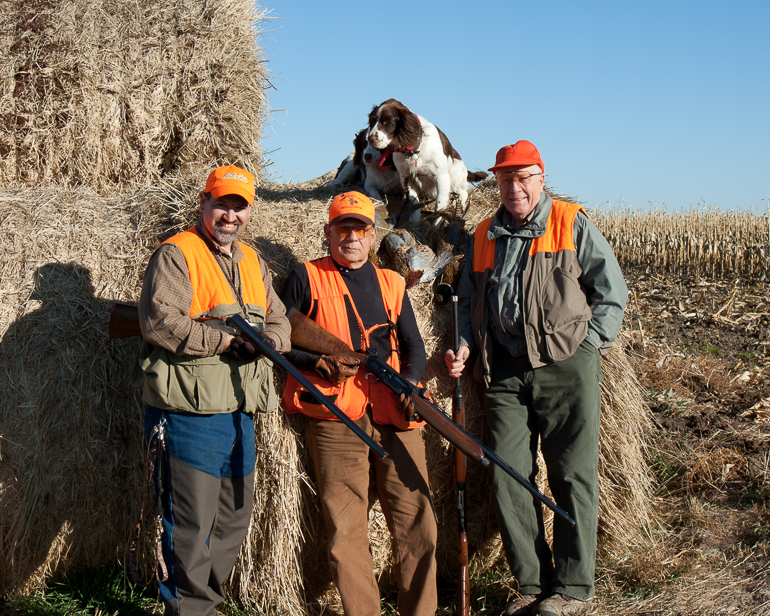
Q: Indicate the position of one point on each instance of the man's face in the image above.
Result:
(347, 248)
(224, 217)
(519, 195)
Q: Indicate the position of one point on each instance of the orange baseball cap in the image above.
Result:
(351, 205)
(231, 181)
(522, 153)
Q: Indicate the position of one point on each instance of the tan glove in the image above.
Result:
(337, 368)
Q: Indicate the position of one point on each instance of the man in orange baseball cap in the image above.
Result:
(542, 297)
(202, 385)
(367, 308)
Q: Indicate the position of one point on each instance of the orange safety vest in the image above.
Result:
(220, 383)
(328, 291)
(557, 236)
(554, 323)
(212, 294)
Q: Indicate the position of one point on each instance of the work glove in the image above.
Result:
(337, 368)
(243, 350)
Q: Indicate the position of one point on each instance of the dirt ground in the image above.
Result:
(702, 353)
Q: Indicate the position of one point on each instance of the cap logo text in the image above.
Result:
(235, 176)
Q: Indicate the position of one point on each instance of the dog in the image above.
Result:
(426, 162)
(368, 166)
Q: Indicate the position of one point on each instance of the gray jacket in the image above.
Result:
(540, 289)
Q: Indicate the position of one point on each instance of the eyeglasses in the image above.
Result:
(361, 231)
(522, 178)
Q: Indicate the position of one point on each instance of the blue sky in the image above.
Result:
(640, 103)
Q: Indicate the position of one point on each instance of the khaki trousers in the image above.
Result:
(343, 464)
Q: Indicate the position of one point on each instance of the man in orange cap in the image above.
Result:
(541, 298)
(368, 308)
(202, 385)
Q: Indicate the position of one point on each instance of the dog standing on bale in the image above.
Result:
(426, 162)
(370, 167)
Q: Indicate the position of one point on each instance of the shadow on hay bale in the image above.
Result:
(63, 494)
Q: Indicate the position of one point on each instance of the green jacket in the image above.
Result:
(544, 304)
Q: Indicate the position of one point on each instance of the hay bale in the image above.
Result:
(70, 427)
(112, 94)
(70, 430)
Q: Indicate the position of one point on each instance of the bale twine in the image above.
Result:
(114, 94)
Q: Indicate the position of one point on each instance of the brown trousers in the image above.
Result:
(343, 464)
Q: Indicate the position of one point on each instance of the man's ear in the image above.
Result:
(328, 233)
(202, 200)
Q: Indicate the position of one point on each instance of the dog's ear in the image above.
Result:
(409, 130)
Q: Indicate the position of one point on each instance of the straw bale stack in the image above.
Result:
(113, 94)
(70, 427)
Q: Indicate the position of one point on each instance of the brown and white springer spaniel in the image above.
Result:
(426, 162)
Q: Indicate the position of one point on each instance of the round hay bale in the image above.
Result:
(112, 94)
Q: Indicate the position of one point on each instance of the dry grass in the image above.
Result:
(703, 243)
(115, 94)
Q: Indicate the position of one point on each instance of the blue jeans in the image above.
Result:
(207, 503)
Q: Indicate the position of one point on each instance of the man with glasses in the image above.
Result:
(368, 308)
(541, 298)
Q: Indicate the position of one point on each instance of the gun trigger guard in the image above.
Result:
(370, 381)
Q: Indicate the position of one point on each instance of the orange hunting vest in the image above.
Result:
(328, 291)
(220, 383)
(212, 294)
(555, 311)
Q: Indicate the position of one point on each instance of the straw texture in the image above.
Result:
(117, 94)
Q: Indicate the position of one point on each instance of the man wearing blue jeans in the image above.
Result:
(541, 297)
(202, 386)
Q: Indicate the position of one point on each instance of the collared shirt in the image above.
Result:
(167, 295)
(601, 280)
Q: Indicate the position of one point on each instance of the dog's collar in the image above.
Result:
(383, 162)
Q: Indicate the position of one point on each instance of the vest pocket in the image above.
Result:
(261, 390)
(565, 314)
(186, 383)
(206, 384)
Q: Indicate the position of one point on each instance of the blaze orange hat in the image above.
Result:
(231, 181)
(522, 153)
(351, 205)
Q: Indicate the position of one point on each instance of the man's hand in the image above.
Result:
(408, 406)
(455, 362)
(337, 368)
(243, 350)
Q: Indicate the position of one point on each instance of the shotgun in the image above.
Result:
(456, 435)
(458, 416)
(309, 335)
(124, 322)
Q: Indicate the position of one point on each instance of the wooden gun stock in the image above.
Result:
(124, 321)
